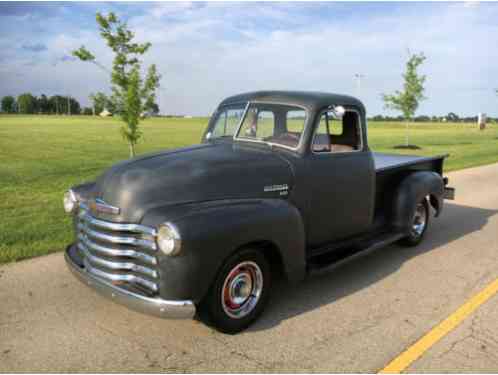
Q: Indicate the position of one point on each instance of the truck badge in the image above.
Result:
(283, 189)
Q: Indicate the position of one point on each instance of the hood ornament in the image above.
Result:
(98, 205)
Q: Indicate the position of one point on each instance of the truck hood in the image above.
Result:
(192, 174)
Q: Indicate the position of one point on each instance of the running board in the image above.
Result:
(333, 259)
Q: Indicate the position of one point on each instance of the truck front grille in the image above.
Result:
(123, 254)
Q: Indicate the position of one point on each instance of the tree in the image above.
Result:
(87, 111)
(26, 103)
(154, 109)
(422, 118)
(100, 101)
(407, 101)
(74, 105)
(55, 104)
(43, 104)
(8, 104)
(58, 105)
(452, 116)
(131, 94)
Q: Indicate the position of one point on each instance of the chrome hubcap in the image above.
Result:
(242, 289)
(419, 220)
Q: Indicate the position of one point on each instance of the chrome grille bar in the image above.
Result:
(116, 252)
(126, 266)
(117, 239)
(136, 228)
(120, 277)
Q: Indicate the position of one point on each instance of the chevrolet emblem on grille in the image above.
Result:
(98, 205)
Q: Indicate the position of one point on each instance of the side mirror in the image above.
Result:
(208, 136)
(339, 111)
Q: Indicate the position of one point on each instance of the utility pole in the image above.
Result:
(358, 78)
(68, 105)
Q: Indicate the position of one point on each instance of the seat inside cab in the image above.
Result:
(337, 135)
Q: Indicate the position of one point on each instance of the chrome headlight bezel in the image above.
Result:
(168, 239)
(69, 202)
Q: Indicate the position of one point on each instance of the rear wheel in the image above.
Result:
(239, 294)
(420, 222)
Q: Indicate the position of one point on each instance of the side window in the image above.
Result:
(336, 126)
(227, 122)
(275, 123)
(265, 124)
(337, 135)
(295, 121)
(258, 124)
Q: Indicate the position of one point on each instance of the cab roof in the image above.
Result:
(309, 99)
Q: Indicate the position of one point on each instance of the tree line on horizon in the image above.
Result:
(450, 117)
(57, 104)
(28, 103)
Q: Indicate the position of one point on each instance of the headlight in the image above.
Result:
(168, 239)
(69, 201)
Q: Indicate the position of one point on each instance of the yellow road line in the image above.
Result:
(414, 352)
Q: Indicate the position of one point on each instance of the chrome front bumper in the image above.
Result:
(151, 306)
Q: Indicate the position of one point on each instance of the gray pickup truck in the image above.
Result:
(282, 183)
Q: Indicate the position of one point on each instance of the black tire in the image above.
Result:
(415, 237)
(215, 308)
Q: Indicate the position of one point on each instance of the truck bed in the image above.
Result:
(390, 169)
(385, 162)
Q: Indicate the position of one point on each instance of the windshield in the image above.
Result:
(226, 120)
(271, 123)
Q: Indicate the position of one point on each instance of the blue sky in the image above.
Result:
(207, 51)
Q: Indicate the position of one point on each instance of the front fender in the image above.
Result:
(212, 231)
(411, 190)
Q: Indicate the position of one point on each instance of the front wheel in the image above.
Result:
(239, 293)
(420, 222)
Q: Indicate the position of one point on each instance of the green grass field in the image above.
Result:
(42, 156)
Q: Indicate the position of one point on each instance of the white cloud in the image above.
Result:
(208, 51)
(471, 4)
(169, 8)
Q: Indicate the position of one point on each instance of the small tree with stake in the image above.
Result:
(131, 94)
(407, 101)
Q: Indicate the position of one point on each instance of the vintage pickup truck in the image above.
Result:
(282, 183)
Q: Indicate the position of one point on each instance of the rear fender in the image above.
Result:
(411, 190)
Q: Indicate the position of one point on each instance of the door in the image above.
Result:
(341, 180)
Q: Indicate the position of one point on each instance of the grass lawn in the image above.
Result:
(42, 156)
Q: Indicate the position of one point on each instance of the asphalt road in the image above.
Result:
(356, 318)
